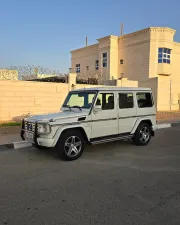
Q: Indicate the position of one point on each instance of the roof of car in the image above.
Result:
(110, 88)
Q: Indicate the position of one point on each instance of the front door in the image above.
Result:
(105, 121)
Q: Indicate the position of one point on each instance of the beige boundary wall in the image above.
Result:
(168, 93)
(23, 97)
(18, 98)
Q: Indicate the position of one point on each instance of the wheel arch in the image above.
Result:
(61, 131)
(140, 121)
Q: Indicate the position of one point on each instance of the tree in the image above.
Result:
(32, 71)
(101, 77)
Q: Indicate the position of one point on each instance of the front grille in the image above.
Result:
(29, 126)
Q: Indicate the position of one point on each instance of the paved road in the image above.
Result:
(111, 184)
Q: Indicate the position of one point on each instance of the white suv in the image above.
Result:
(94, 116)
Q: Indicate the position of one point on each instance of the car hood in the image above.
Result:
(51, 117)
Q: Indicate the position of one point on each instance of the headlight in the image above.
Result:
(43, 128)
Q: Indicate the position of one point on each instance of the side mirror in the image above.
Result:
(97, 108)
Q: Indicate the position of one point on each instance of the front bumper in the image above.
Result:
(35, 139)
(45, 142)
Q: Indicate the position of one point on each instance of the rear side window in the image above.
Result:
(126, 100)
(144, 99)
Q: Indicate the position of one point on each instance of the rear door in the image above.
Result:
(126, 111)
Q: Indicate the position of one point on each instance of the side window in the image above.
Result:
(144, 99)
(126, 100)
(106, 100)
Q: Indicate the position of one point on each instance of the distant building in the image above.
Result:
(6, 74)
(144, 54)
(149, 56)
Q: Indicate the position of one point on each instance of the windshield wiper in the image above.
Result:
(67, 106)
(76, 106)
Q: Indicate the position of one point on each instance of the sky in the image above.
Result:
(43, 32)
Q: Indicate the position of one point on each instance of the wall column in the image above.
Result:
(71, 81)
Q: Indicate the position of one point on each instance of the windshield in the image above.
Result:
(80, 99)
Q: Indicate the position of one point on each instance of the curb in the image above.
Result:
(164, 125)
(175, 124)
(168, 125)
(26, 144)
(16, 145)
(21, 144)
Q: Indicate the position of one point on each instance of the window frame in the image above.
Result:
(96, 64)
(152, 100)
(121, 61)
(126, 94)
(77, 92)
(164, 55)
(105, 93)
(105, 60)
(78, 68)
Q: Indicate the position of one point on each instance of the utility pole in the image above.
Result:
(122, 29)
(86, 41)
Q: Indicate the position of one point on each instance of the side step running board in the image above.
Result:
(110, 139)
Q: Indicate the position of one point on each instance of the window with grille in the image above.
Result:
(97, 65)
(78, 68)
(121, 61)
(104, 59)
(164, 55)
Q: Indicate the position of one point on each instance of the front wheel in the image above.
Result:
(70, 145)
(142, 135)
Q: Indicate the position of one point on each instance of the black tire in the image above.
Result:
(138, 137)
(68, 138)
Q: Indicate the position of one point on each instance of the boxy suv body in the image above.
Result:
(94, 116)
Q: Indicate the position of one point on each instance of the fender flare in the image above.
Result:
(63, 128)
(138, 121)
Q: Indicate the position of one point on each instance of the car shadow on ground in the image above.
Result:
(105, 149)
(108, 148)
(115, 148)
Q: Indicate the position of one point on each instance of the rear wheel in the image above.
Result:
(70, 145)
(142, 135)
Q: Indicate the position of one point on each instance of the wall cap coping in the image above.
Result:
(149, 29)
(84, 48)
(143, 31)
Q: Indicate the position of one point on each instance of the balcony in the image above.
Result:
(164, 69)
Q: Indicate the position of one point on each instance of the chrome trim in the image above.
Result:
(27, 131)
(110, 140)
(26, 126)
(90, 121)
